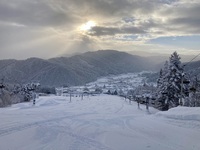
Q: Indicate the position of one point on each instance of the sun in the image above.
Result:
(88, 26)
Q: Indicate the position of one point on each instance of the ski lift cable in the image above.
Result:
(191, 60)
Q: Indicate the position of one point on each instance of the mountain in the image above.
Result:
(75, 70)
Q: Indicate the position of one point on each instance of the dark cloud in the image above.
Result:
(32, 13)
(101, 31)
(184, 18)
(187, 22)
(113, 8)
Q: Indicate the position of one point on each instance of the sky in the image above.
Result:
(53, 28)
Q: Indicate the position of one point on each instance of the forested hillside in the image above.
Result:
(75, 70)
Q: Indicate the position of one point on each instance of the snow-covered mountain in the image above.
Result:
(75, 70)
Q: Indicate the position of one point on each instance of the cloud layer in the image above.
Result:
(49, 28)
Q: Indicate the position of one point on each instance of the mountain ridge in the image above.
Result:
(74, 70)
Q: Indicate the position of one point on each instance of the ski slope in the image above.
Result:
(97, 123)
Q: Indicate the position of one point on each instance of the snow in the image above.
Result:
(113, 82)
(101, 122)
(182, 113)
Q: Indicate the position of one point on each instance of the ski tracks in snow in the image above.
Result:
(9, 129)
(79, 143)
(82, 142)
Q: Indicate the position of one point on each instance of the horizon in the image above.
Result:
(162, 57)
(48, 29)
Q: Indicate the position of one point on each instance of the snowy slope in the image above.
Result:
(96, 123)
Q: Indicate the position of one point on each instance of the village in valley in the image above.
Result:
(129, 86)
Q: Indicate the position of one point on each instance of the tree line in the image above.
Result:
(176, 87)
(17, 93)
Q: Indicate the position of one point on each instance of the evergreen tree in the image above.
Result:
(115, 92)
(121, 93)
(109, 92)
(175, 80)
(166, 68)
(170, 87)
(27, 90)
(98, 90)
(162, 88)
(160, 79)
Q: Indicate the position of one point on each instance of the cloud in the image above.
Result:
(150, 20)
(51, 26)
(33, 13)
(101, 31)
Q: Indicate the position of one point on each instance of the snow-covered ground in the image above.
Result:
(97, 123)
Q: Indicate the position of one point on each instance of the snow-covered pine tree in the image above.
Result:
(174, 82)
(121, 93)
(170, 84)
(27, 90)
(158, 102)
(161, 102)
(160, 79)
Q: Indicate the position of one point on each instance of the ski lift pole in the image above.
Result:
(181, 99)
(183, 81)
(70, 97)
(195, 95)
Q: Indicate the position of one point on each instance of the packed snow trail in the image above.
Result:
(97, 123)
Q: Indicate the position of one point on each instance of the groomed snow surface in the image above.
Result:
(97, 123)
